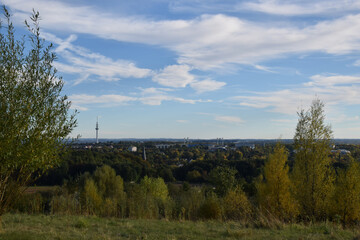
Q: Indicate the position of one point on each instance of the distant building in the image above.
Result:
(245, 144)
(341, 151)
(163, 146)
(132, 149)
(214, 148)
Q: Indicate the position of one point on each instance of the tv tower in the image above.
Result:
(144, 154)
(97, 129)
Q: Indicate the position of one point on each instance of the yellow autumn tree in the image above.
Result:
(236, 205)
(93, 200)
(313, 175)
(274, 188)
(347, 193)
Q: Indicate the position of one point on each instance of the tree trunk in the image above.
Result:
(1, 223)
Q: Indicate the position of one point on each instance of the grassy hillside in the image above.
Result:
(22, 226)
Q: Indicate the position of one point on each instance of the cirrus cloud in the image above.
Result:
(229, 119)
(204, 42)
(207, 85)
(334, 90)
(301, 7)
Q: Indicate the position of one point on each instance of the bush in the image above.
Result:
(30, 203)
(187, 204)
(210, 209)
(223, 178)
(91, 197)
(193, 176)
(236, 206)
(66, 204)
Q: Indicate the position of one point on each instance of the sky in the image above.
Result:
(203, 68)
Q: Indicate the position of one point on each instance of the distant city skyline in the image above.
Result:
(203, 69)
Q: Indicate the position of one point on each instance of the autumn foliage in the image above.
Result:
(274, 189)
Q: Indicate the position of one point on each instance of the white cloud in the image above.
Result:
(158, 99)
(229, 119)
(341, 118)
(85, 63)
(207, 85)
(334, 91)
(208, 41)
(153, 90)
(357, 63)
(263, 68)
(176, 76)
(179, 76)
(113, 99)
(83, 101)
(277, 7)
(80, 108)
(154, 100)
(155, 96)
(321, 80)
(301, 7)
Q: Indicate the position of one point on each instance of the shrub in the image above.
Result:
(347, 194)
(188, 203)
(64, 204)
(210, 209)
(236, 206)
(30, 203)
(193, 176)
(91, 197)
(223, 178)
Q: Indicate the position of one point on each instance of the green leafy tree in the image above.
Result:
(149, 199)
(109, 184)
(347, 193)
(274, 189)
(34, 115)
(223, 179)
(111, 189)
(155, 187)
(92, 197)
(313, 176)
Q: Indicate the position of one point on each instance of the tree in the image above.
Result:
(34, 118)
(313, 175)
(224, 179)
(274, 190)
(236, 205)
(155, 187)
(92, 197)
(109, 184)
(347, 193)
(149, 199)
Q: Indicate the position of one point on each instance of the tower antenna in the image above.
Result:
(97, 129)
(144, 154)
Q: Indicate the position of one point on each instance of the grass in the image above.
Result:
(22, 226)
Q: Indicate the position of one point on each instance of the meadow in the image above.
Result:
(25, 226)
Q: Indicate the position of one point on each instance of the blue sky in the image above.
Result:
(203, 69)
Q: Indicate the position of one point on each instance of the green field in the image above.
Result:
(22, 226)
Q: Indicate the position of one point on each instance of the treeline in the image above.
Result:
(307, 184)
(177, 163)
(104, 193)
